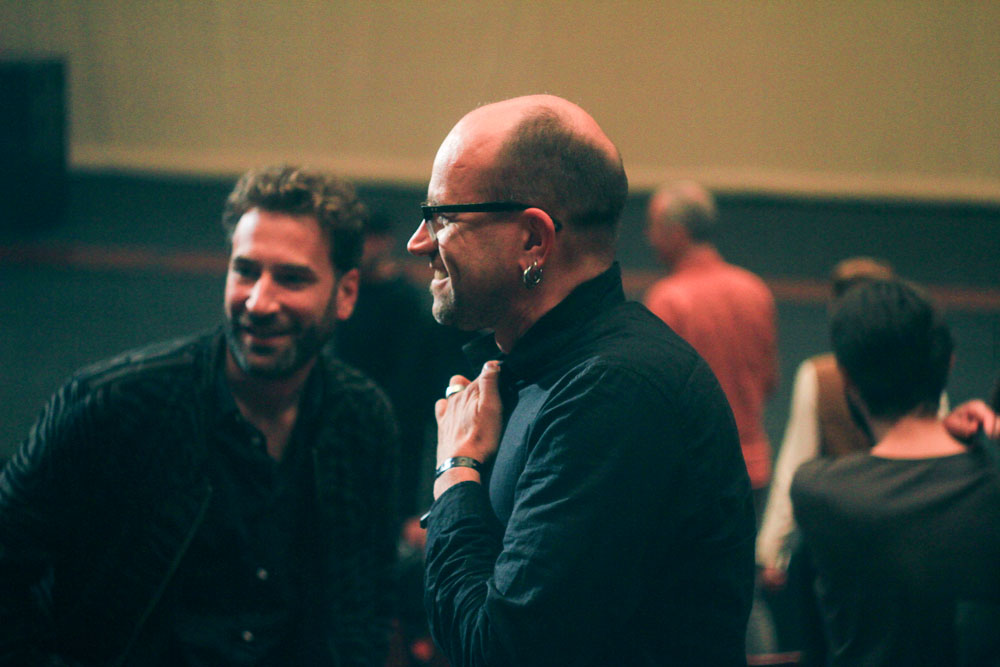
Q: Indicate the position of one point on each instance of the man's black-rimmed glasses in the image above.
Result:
(431, 212)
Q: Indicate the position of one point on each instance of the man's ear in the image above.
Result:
(539, 235)
(346, 293)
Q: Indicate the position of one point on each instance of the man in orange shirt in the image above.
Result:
(725, 312)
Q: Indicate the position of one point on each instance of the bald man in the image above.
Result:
(591, 502)
(724, 311)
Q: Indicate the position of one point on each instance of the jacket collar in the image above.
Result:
(554, 330)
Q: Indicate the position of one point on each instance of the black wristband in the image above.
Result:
(458, 462)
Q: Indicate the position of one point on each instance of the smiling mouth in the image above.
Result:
(438, 267)
(440, 281)
(263, 335)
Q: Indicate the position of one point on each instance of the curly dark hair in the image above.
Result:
(300, 191)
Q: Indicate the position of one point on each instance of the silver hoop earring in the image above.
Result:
(533, 275)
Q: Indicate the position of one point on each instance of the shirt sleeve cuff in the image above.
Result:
(463, 501)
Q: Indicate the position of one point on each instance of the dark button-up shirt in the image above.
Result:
(242, 598)
(615, 526)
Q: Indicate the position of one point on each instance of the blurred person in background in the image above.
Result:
(726, 312)
(907, 533)
(819, 424)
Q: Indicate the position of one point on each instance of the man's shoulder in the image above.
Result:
(634, 334)
(149, 396)
(829, 477)
(751, 289)
(176, 358)
(745, 274)
(665, 289)
(633, 343)
(711, 280)
(347, 388)
(807, 370)
(343, 377)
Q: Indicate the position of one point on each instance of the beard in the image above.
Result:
(458, 313)
(443, 309)
(472, 306)
(275, 362)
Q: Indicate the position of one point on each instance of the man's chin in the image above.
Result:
(444, 311)
(278, 361)
(449, 317)
(265, 364)
(267, 369)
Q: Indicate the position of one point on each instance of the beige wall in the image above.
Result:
(856, 97)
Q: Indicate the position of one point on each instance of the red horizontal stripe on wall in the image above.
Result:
(186, 262)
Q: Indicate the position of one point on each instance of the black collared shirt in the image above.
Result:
(244, 590)
(616, 524)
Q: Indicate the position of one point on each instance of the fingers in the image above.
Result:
(484, 387)
(992, 426)
(456, 384)
(490, 371)
(487, 379)
(962, 426)
(965, 420)
(459, 380)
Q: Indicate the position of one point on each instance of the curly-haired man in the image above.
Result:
(224, 499)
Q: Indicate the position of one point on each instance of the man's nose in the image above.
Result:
(263, 297)
(421, 243)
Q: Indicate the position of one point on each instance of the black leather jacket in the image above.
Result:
(101, 501)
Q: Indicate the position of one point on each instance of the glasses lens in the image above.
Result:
(431, 222)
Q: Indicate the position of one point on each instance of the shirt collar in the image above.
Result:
(548, 335)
